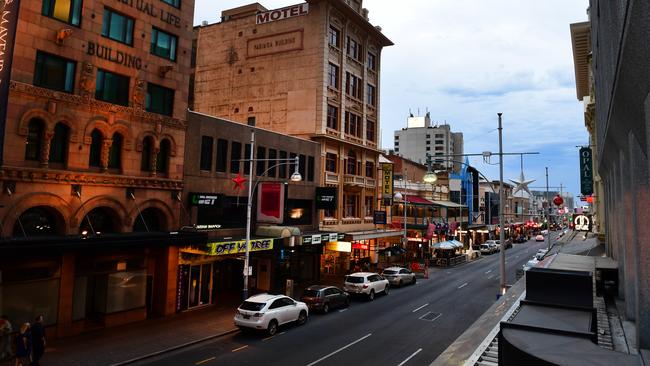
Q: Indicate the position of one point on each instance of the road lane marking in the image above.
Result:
(489, 278)
(204, 361)
(410, 357)
(342, 310)
(281, 333)
(239, 349)
(340, 349)
(267, 338)
(488, 271)
(463, 285)
(425, 305)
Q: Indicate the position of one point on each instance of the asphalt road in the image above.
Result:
(411, 326)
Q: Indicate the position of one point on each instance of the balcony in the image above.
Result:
(354, 180)
(371, 183)
(331, 178)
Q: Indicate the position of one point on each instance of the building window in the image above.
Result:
(235, 156)
(370, 206)
(59, 144)
(331, 162)
(440, 141)
(439, 136)
(333, 76)
(352, 85)
(117, 27)
(310, 168)
(370, 169)
(332, 117)
(372, 62)
(222, 155)
(68, 11)
(160, 99)
(440, 148)
(34, 139)
(174, 3)
(397, 149)
(206, 153)
(273, 155)
(428, 142)
(351, 205)
(260, 164)
(145, 159)
(115, 152)
(354, 49)
(353, 124)
(112, 88)
(162, 159)
(428, 148)
(95, 156)
(251, 121)
(351, 163)
(54, 72)
(334, 36)
(396, 143)
(163, 44)
(370, 131)
(282, 168)
(371, 95)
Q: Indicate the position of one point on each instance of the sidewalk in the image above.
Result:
(119, 345)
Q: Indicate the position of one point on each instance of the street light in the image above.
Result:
(295, 177)
(430, 177)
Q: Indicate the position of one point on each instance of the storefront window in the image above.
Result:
(22, 302)
(126, 290)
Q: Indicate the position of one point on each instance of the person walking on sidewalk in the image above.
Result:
(38, 340)
(5, 338)
(24, 346)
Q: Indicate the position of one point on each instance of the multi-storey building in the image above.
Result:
(92, 149)
(421, 138)
(309, 70)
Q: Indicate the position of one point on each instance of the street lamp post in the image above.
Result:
(502, 232)
(295, 177)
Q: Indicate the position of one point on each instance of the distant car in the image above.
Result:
(530, 264)
(267, 312)
(539, 237)
(508, 243)
(520, 239)
(323, 298)
(494, 245)
(485, 249)
(540, 254)
(366, 283)
(399, 276)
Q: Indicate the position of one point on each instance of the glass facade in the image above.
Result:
(54, 72)
(163, 44)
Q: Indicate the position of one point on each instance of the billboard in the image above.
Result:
(270, 203)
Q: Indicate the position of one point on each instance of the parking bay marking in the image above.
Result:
(410, 357)
(463, 285)
(340, 349)
(420, 307)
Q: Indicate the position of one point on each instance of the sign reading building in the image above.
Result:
(282, 13)
(8, 22)
(276, 43)
(239, 246)
(586, 172)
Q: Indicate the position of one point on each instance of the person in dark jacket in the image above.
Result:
(38, 340)
(23, 346)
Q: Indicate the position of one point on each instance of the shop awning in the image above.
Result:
(415, 200)
(448, 204)
(372, 234)
(448, 245)
(278, 231)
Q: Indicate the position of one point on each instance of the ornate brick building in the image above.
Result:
(93, 149)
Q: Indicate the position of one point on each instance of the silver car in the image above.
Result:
(399, 276)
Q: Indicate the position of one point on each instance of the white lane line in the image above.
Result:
(239, 349)
(342, 310)
(463, 285)
(340, 349)
(410, 357)
(204, 361)
(281, 333)
(489, 278)
(488, 271)
(425, 305)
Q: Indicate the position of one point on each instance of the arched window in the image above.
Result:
(34, 139)
(95, 158)
(154, 218)
(101, 219)
(115, 152)
(38, 221)
(145, 161)
(162, 161)
(59, 144)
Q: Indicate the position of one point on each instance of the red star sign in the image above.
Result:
(239, 181)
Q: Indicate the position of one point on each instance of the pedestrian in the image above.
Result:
(5, 338)
(38, 340)
(23, 346)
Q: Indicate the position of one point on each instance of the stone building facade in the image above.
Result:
(93, 148)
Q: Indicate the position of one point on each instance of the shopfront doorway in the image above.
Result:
(200, 285)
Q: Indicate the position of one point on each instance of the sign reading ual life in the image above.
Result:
(586, 172)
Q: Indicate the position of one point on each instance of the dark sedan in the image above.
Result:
(323, 298)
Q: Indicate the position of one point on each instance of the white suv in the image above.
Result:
(267, 312)
(366, 283)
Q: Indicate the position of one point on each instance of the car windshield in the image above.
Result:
(252, 306)
(310, 293)
(390, 272)
(353, 279)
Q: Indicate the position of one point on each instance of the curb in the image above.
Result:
(174, 348)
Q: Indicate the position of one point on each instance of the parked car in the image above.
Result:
(323, 298)
(366, 283)
(485, 249)
(267, 312)
(520, 239)
(399, 276)
(539, 237)
(530, 264)
(494, 245)
(507, 241)
(540, 254)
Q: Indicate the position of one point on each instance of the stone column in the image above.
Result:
(45, 149)
(106, 147)
(154, 160)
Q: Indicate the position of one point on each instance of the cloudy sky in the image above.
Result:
(466, 60)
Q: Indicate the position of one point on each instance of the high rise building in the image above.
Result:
(421, 138)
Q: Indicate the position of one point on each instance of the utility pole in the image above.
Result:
(502, 231)
(548, 214)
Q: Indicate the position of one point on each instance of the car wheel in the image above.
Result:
(371, 295)
(399, 283)
(414, 280)
(326, 308)
(302, 317)
(386, 290)
(272, 328)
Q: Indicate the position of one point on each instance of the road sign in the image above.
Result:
(582, 222)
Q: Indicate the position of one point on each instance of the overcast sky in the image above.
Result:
(466, 60)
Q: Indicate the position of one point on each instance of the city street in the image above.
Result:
(412, 325)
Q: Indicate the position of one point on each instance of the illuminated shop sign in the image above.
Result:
(205, 199)
(239, 246)
(282, 13)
